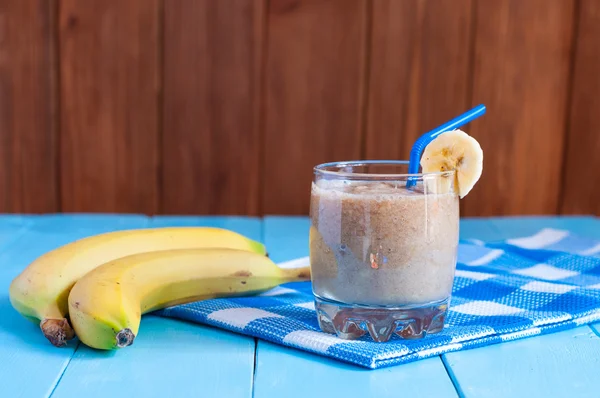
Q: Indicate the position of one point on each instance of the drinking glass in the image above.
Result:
(382, 254)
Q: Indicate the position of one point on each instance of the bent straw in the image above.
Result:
(425, 139)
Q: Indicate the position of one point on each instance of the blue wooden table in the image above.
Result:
(179, 359)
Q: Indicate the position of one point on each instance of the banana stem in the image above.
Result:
(125, 338)
(296, 274)
(57, 331)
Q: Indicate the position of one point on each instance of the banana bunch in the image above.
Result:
(98, 287)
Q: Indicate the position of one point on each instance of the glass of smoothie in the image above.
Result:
(382, 251)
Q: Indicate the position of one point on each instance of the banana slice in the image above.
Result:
(455, 150)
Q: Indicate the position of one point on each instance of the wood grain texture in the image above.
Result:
(509, 227)
(557, 364)
(315, 71)
(170, 357)
(286, 372)
(109, 75)
(521, 73)
(290, 373)
(223, 107)
(27, 102)
(419, 74)
(30, 365)
(554, 365)
(212, 362)
(581, 192)
(211, 142)
(287, 235)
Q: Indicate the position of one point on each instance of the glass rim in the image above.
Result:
(322, 169)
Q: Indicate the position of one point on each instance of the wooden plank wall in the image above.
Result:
(223, 107)
(28, 107)
(109, 102)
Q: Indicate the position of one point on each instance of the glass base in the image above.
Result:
(350, 322)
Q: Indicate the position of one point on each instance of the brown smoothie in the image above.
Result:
(381, 244)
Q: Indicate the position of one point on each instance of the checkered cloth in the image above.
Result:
(503, 291)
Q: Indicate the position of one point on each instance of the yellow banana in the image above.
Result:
(106, 304)
(40, 293)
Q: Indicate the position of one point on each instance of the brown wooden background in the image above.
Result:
(224, 106)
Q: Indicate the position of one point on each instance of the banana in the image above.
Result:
(455, 150)
(107, 303)
(40, 293)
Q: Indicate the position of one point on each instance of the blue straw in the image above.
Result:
(425, 139)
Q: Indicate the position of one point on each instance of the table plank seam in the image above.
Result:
(452, 376)
(263, 236)
(596, 332)
(27, 226)
(254, 366)
(63, 371)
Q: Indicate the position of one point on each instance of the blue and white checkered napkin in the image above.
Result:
(503, 291)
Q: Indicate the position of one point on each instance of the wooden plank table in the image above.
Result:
(179, 359)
